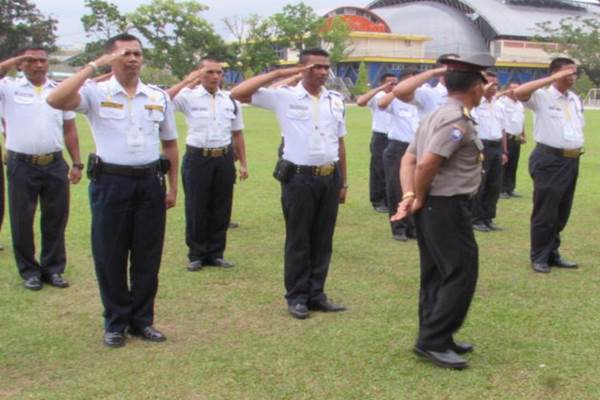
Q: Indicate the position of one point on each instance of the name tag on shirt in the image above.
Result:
(24, 98)
(111, 104)
(154, 107)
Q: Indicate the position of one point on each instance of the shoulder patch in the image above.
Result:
(457, 133)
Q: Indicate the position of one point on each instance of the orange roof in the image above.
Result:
(361, 24)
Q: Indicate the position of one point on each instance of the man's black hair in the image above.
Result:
(462, 81)
(32, 47)
(312, 52)
(385, 76)
(407, 73)
(109, 46)
(558, 63)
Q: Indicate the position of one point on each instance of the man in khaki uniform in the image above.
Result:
(440, 172)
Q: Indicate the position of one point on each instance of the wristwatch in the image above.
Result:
(78, 166)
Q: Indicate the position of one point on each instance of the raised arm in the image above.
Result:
(524, 92)
(405, 90)
(187, 81)
(291, 81)
(364, 99)
(66, 95)
(8, 65)
(244, 91)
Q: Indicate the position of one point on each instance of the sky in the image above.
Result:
(69, 12)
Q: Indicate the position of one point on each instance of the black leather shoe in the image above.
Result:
(401, 237)
(114, 339)
(233, 225)
(541, 267)
(443, 359)
(298, 311)
(504, 195)
(33, 283)
(493, 226)
(326, 306)
(219, 262)
(194, 266)
(58, 281)
(148, 333)
(515, 194)
(462, 347)
(562, 263)
(381, 209)
(481, 227)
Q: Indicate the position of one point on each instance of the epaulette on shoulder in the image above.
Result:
(155, 87)
(334, 93)
(447, 118)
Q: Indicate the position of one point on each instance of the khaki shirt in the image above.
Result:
(449, 133)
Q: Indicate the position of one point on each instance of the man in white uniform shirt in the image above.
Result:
(312, 171)
(128, 194)
(489, 118)
(513, 113)
(214, 121)
(379, 140)
(35, 137)
(404, 121)
(554, 163)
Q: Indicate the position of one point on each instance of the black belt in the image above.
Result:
(568, 153)
(130, 170)
(316, 170)
(209, 152)
(36, 159)
(491, 143)
(399, 142)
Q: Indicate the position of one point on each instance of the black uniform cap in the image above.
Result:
(473, 63)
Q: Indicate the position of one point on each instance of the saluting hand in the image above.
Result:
(565, 71)
(108, 59)
(287, 72)
(195, 76)
(11, 63)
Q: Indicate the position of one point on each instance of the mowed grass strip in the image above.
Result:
(230, 337)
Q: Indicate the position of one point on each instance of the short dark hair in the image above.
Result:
(462, 81)
(109, 46)
(559, 62)
(407, 73)
(32, 47)
(386, 75)
(312, 52)
(209, 59)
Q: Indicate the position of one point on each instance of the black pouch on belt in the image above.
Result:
(93, 166)
(283, 170)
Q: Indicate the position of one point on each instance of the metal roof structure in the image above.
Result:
(515, 19)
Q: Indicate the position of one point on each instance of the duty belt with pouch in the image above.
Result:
(208, 151)
(37, 159)
(285, 169)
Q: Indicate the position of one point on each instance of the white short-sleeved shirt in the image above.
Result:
(127, 131)
(489, 118)
(558, 120)
(381, 119)
(311, 126)
(428, 98)
(32, 126)
(404, 121)
(513, 115)
(210, 119)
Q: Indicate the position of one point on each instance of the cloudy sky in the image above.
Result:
(69, 12)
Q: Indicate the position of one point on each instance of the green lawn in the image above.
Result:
(536, 336)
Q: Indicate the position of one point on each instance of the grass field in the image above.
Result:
(536, 336)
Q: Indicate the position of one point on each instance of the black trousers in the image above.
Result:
(554, 182)
(484, 203)
(28, 184)
(392, 155)
(310, 207)
(509, 170)
(449, 268)
(379, 142)
(208, 186)
(128, 222)
(2, 194)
